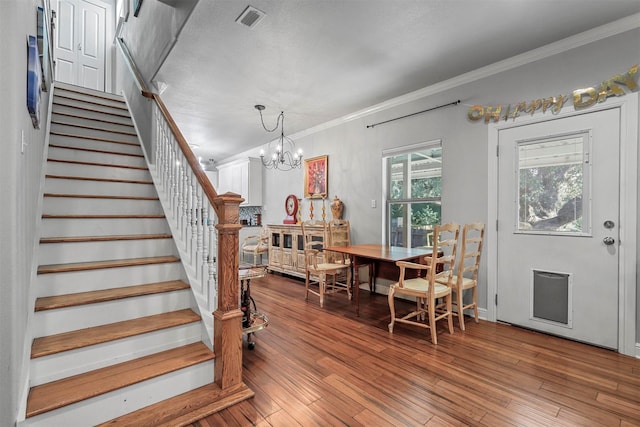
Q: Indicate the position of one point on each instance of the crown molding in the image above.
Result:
(611, 29)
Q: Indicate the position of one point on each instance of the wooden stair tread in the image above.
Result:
(96, 265)
(68, 87)
(78, 239)
(122, 107)
(93, 119)
(93, 138)
(65, 341)
(92, 150)
(56, 122)
(103, 216)
(99, 196)
(89, 178)
(185, 408)
(56, 102)
(54, 395)
(76, 162)
(92, 297)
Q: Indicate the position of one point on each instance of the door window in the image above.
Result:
(553, 192)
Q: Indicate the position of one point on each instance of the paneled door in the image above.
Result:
(558, 226)
(80, 43)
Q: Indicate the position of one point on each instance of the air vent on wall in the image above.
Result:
(250, 17)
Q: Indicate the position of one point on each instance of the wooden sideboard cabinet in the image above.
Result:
(286, 249)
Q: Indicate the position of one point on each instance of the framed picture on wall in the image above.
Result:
(316, 172)
(136, 7)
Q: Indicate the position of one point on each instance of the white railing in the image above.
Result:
(188, 209)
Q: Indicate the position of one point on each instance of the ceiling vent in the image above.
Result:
(250, 17)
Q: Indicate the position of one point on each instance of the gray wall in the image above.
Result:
(20, 177)
(355, 151)
(151, 35)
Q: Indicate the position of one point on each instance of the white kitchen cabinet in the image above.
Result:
(242, 177)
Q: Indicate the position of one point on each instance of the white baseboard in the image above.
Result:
(638, 350)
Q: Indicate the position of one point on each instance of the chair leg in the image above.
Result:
(475, 303)
(460, 304)
(392, 308)
(449, 299)
(432, 322)
(306, 287)
(322, 282)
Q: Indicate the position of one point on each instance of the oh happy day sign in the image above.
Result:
(618, 85)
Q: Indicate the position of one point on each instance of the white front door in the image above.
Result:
(558, 226)
(80, 44)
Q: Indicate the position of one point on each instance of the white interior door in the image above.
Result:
(558, 222)
(80, 44)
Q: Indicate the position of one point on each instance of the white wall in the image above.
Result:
(20, 175)
(355, 165)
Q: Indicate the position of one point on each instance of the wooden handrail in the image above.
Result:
(207, 187)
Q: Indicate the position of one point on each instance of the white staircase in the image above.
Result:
(116, 327)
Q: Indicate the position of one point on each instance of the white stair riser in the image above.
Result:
(64, 253)
(61, 227)
(92, 144)
(111, 172)
(112, 405)
(103, 123)
(73, 362)
(107, 278)
(93, 157)
(102, 188)
(91, 133)
(50, 322)
(61, 108)
(75, 91)
(89, 206)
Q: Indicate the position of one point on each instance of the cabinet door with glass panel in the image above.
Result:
(413, 199)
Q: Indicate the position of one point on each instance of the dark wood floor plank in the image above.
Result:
(317, 366)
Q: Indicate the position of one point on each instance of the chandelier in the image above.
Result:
(281, 159)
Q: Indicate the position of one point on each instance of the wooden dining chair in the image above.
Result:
(340, 235)
(256, 246)
(466, 276)
(321, 269)
(430, 282)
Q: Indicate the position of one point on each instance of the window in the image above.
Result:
(414, 186)
(552, 184)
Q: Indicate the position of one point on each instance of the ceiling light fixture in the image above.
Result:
(281, 159)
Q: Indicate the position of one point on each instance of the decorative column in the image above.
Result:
(227, 319)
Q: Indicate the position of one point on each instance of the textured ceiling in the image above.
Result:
(321, 60)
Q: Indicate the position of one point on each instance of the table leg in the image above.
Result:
(355, 277)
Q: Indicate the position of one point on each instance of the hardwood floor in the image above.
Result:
(326, 367)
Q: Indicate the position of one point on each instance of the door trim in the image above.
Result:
(628, 106)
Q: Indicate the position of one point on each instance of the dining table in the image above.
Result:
(381, 260)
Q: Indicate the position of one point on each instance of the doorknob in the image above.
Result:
(609, 240)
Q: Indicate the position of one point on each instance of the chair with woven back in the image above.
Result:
(322, 268)
(256, 245)
(340, 235)
(466, 276)
(432, 283)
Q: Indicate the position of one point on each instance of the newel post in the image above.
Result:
(227, 319)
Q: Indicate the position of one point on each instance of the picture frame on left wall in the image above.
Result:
(136, 7)
(34, 81)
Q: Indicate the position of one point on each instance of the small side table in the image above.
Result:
(252, 320)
